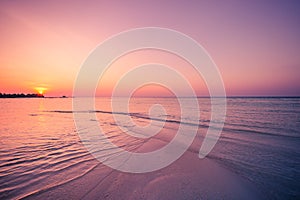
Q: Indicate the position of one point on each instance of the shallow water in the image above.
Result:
(40, 147)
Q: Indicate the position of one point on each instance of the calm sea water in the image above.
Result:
(41, 149)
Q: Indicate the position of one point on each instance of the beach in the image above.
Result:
(172, 100)
(256, 157)
(187, 178)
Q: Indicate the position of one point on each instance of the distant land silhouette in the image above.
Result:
(21, 95)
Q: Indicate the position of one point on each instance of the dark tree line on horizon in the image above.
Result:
(21, 95)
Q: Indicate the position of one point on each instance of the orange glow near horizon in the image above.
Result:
(124, 65)
(40, 90)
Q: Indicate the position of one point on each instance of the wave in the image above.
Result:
(45, 189)
(241, 128)
(42, 171)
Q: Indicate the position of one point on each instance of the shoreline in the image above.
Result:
(187, 178)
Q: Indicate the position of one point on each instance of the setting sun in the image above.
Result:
(40, 90)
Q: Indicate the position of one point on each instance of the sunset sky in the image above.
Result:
(255, 44)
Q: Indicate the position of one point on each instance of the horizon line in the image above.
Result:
(229, 96)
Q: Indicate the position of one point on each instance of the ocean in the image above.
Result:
(41, 150)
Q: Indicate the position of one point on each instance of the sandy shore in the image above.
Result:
(187, 178)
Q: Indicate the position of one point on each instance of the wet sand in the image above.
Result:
(187, 178)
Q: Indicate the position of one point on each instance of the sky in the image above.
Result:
(255, 44)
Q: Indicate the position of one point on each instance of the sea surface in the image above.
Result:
(40, 147)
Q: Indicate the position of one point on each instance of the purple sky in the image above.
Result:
(255, 44)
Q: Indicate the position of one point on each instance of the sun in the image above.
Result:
(40, 90)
